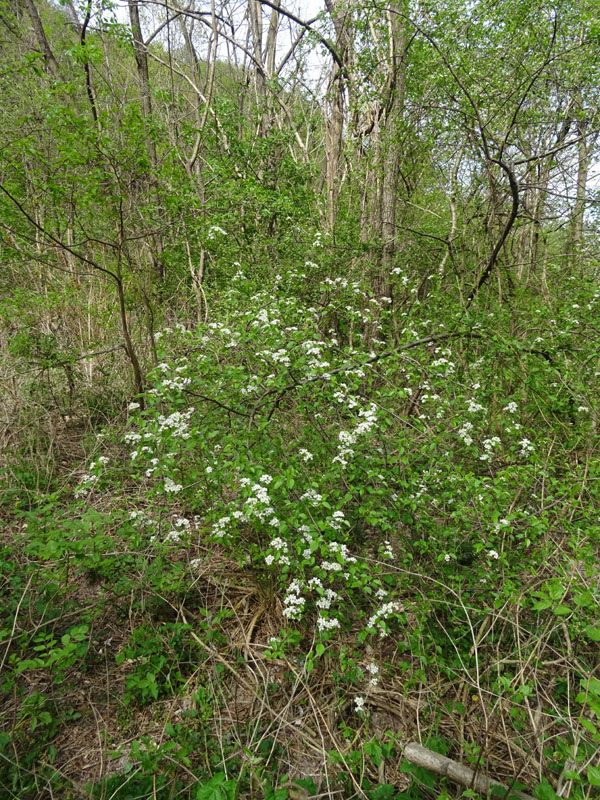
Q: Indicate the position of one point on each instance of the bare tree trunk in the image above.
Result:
(576, 232)
(269, 57)
(334, 120)
(390, 155)
(256, 28)
(141, 60)
(40, 34)
(82, 29)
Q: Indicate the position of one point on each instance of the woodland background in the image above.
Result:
(299, 368)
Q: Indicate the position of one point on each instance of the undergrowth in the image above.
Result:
(330, 527)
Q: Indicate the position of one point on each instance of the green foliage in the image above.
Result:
(354, 487)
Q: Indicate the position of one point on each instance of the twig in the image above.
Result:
(457, 772)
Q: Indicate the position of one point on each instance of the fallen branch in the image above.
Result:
(459, 773)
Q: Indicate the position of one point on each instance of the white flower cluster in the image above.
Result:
(443, 364)
(511, 407)
(465, 433)
(214, 229)
(178, 382)
(259, 504)
(278, 356)
(474, 407)
(220, 526)
(171, 487)
(264, 321)
(281, 552)
(377, 620)
(151, 470)
(311, 497)
(373, 671)
(293, 602)
(86, 485)
(253, 386)
(489, 445)
(326, 599)
(342, 551)
(306, 455)
(327, 623)
(359, 704)
(336, 521)
(387, 550)
(177, 423)
(312, 347)
(349, 438)
(344, 398)
(526, 447)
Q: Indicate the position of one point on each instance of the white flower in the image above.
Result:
(305, 454)
(526, 447)
(312, 497)
(331, 566)
(266, 479)
(493, 554)
(447, 557)
(324, 624)
(133, 406)
(489, 445)
(294, 603)
(581, 409)
(511, 407)
(474, 407)
(171, 486)
(359, 702)
(326, 600)
(377, 619)
(373, 669)
(208, 470)
(214, 229)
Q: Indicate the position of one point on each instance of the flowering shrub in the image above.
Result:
(327, 461)
(415, 502)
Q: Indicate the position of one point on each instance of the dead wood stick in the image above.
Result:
(459, 773)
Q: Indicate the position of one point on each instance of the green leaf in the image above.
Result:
(592, 633)
(584, 600)
(593, 774)
(545, 792)
(320, 649)
(308, 784)
(591, 685)
(383, 791)
(217, 788)
(562, 610)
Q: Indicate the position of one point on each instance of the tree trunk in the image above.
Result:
(141, 60)
(40, 34)
(576, 233)
(334, 112)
